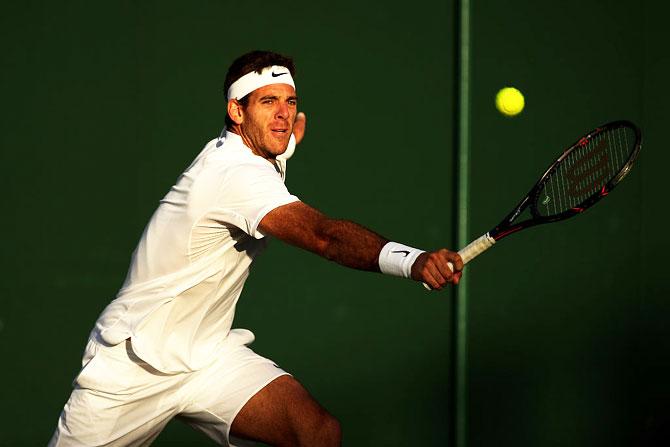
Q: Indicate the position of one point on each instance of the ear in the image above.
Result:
(299, 127)
(235, 111)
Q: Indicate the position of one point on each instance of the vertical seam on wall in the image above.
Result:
(463, 153)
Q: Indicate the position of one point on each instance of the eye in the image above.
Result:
(293, 102)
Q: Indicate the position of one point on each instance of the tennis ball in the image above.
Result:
(509, 101)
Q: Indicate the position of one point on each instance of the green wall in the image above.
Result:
(105, 105)
(568, 323)
(567, 335)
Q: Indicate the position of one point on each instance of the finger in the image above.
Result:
(446, 267)
(299, 127)
(456, 260)
(456, 278)
(438, 278)
(424, 274)
(430, 282)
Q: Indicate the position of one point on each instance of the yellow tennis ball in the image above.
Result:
(510, 101)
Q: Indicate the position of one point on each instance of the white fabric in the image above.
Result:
(397, 259)
(275, 74)
(189, 268)
(121, 401)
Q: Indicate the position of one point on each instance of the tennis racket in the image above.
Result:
(584, 173)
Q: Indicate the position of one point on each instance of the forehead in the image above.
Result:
(280, 90)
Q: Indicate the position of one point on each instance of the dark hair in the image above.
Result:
(253, 61)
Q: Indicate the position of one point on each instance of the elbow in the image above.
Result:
(325, 241)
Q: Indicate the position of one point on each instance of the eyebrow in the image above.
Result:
(277, 97)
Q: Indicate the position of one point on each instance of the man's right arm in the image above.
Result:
(351, 244)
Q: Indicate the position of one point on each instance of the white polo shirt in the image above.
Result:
(188, 270)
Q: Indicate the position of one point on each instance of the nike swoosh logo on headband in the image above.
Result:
(274, 75)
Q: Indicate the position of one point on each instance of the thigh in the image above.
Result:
(218, 393)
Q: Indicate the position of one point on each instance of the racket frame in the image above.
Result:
(507, 225)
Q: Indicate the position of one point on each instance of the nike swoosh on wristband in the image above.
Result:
(274, 75)
(406, 253)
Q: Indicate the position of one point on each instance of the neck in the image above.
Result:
(236, 129)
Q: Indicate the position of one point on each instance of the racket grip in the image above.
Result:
(476, 248)
(471, 251)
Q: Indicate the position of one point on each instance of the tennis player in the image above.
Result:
(164, 348)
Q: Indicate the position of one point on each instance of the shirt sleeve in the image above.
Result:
(248, 193)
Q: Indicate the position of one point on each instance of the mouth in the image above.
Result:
(279, 131)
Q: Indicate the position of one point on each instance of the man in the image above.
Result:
(164, 347)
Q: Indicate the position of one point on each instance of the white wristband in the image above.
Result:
(397, 259)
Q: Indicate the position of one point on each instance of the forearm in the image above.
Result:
(350, 244)
(353, 245)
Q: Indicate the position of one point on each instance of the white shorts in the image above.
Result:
(119, 400)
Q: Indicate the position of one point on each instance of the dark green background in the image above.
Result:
(106, 104)
(569, 323)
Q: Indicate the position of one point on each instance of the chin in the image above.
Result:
(280, 148)
(275, 151)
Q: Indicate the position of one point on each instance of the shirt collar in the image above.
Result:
(233, 138)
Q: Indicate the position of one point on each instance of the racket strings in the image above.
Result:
(586, 171)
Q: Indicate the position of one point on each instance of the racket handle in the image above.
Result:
(476, 248)
(471, 251)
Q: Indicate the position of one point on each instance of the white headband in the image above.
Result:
(251, 81)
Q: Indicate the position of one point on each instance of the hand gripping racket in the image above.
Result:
(584, 173)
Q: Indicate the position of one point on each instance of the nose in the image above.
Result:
(282, 110)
